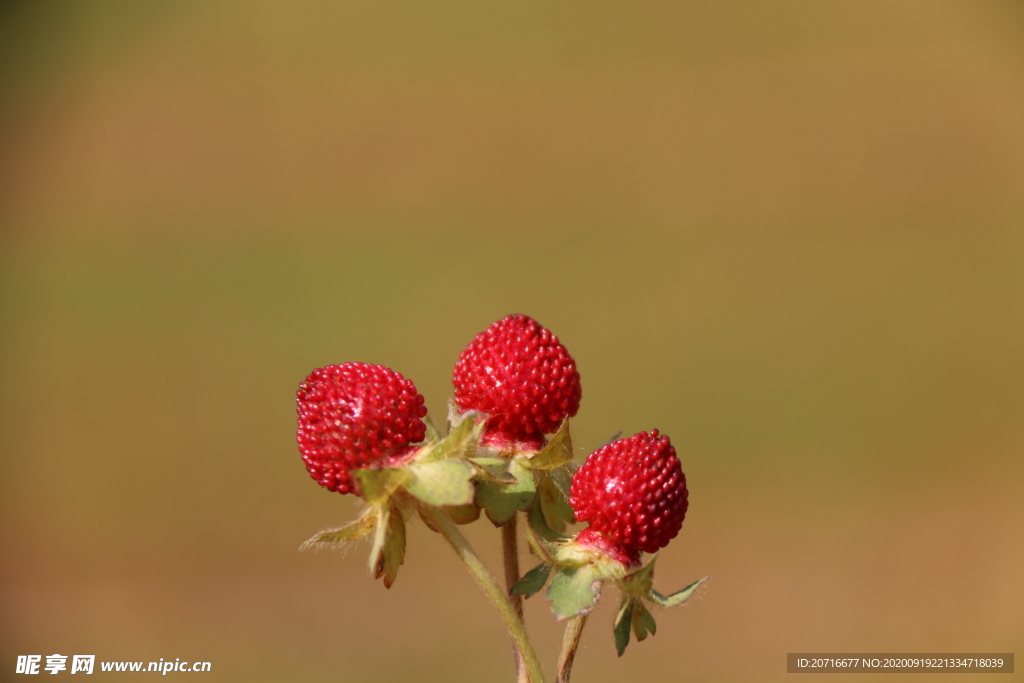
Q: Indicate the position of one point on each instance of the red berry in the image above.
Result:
(633, 493)
(354, 415)
(519, 374)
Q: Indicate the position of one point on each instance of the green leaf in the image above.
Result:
(573, 591)
(623, 622)
(445, 482)
(336, 538)
(677, 598)
(394, 547)
(376, 486)
(643, 621)
(532, 582)
(553, 501)
(556, 453)
(502, 501)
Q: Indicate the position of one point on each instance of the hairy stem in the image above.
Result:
(570, 641)
(490, 586)
(510, 550)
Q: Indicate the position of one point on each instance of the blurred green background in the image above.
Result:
(789, 235)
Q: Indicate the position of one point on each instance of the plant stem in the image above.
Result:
(490, 586)
(510, 550)
(570, 641)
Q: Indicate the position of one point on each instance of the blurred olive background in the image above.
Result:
(789, 235)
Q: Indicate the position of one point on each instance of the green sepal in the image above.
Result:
(536, 519)
(463, 514)
(442, 482)
(502, 501)
(380, 537)
(388, 552)
(336, 538)
(532, 581)
(394, 548)
(556, 453)
(643, 621)
(574, 590)
(376, 486)
(493, 469)
(461, 440)
(639, 581)
(540, 546)
(552, 487)
(454, 412)
(623, 624)
(433, 434)
(426, 519)
(678, 597)
(460, 514)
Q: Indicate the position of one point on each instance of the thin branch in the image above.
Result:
(570, 642)
(490, 587)
(510, 550)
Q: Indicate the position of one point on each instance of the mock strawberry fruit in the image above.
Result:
(519, 374)
(355, 415)
(633, 493)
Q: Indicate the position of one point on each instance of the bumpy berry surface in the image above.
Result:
(354, 415)
(517, 372)
(633, 493)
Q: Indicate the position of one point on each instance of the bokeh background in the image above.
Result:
(790, 235)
